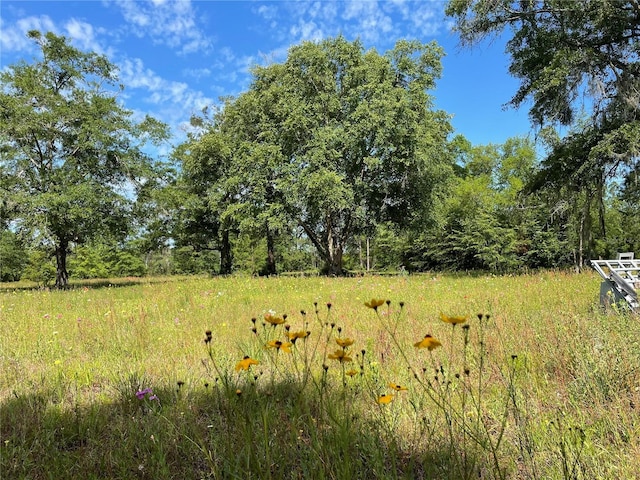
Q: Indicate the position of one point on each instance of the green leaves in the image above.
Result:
(333, 140)
(71, 151)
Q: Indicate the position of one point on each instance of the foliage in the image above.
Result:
(562, 49)
(487, 223)
(186, 260)
(572, 56)
(40, 268)
(99, 260)
(333, 140)
(12, 257)
(69, 149)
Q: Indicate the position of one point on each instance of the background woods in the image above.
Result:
(333, 160)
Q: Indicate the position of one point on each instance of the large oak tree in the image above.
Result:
(335, 139)
(72, 157)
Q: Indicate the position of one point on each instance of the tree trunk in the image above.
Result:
(271, 254)
(62, 276)
(329, 248)
(333, 259)
(601, 207)
(584, 232)
(226, 259)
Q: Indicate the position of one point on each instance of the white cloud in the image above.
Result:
(304, 30)
(370, 22)
(268, 12)
(83, 35)
(424, 19)
(197, 73)
(375, 22)
(172, 101)
(13, 38)
(167, 22)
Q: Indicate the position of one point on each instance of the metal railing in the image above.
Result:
(624, 276)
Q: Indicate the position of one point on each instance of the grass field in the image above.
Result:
(115, 381)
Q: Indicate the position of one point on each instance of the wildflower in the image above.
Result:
(273, 320)
(397, 388)
(278, 345)
(344, 342)
(141, 393)
(340, 355)
(238, 392)
(374, 303)
(245, 363)
(293, 336)
(428, 342)
(352, 372)
(384, 399)
(452, 320)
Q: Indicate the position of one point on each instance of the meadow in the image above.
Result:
(270, 378)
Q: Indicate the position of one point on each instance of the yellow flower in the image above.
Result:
(384, 399)
(397, 388)
(352, 372)
(340, 355)
(278, 345)
(344, 342)
(428, 342)
(245, 363)
(374, 303)
(452, 320)
(273, 320)
(295, 335)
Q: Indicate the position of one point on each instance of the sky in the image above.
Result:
(176, 57)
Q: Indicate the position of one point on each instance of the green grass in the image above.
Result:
(547, 387)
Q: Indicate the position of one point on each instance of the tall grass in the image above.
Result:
(117, 382)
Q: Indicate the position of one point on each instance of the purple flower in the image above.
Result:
(154, 397)
(141, 393)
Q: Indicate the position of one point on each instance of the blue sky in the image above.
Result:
(176, 57)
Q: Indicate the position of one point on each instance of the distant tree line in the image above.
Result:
(334, 161)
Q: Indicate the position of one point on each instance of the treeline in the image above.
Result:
(486, 221)
(333, 161)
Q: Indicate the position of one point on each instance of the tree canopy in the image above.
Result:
(335, 139)
(72, 156)
(569, 55)
(578, 62)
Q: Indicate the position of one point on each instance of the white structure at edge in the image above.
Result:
(621, 280)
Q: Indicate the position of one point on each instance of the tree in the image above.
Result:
(13, 257)
(336, 139)
(205, 159)
(487, 222)
(70, 149)
(562, 50)
(570, 56)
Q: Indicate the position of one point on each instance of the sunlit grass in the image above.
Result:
(559, 381)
